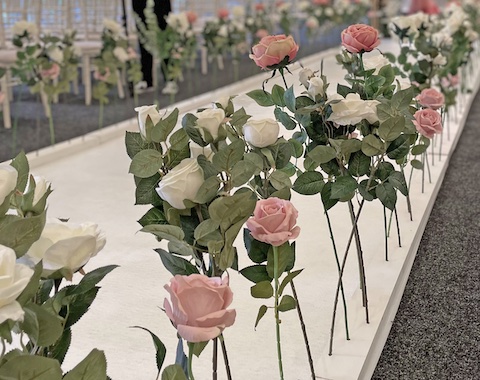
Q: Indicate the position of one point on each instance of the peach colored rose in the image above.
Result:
(360, 38)
(223, 13)
(198, 306)
(101, 77)
(272, 50)
(273, 221)
(431, 98)
(52, 73)
(191, 17)
(428, 122)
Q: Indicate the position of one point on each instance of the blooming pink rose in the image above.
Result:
(191, 17)
(321, 2)
(259, 7)
(273, 221)
(223, 13)
(198, 306)
(101, 77)
(451, 80)
(431, 98)
(52, 73)
(360, 38)
(271, 50)
(428, 122)
(261, 33)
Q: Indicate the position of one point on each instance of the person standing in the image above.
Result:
(161, 9)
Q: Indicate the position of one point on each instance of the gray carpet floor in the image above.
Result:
(436, 332)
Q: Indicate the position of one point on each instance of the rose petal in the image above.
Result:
(198, 334)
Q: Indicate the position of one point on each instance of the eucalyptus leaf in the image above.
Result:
(285, 119)
(289, 98)
(417, 164)
(242, 172)
(20, 163)
(208, 190)
(173, 372)
(20, 233)
(145, 192)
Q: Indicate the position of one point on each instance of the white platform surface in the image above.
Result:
(91, 183)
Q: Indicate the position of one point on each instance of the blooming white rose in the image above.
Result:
(20, 27)
(329, 12)
(13, 280)
(238, 12)
(121, 54)
(304, 75)
(223, 31)
(352, 110)
(249, 21)
(303, 5)
(55, 54)
(456, 19)
(8, 181)
(315, 87)
(196, 150)
(318, 12)
(143, 113)
(261, 133)
(178, 22)
(114, 27)
(181, 183)
(66, 246)
(312, 23)
(374, 61)
(471, 35)
(210, 120)
(440, 60)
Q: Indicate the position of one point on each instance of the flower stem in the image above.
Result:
(225, 357)
(277, 317)
(409, 204)
(304, 331)
(190, 359)
(385, 227)
(398, 227)
(215, 359)
(283, 77)
(100, 115)
(52, 130)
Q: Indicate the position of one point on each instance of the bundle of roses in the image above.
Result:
(37, 256)
(186, 40)
(258, 22)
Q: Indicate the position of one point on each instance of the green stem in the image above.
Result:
(50, 123)
(283, 77)
(215, 359)
(385, 227)
(190, 359)
(225, 357)
(277, 317)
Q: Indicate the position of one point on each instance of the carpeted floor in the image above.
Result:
(436, 332)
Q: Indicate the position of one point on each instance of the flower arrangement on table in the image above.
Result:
(46, 64)
(116, 57)
(286, 18)
(39, 304)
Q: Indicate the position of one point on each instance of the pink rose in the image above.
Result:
(259, 7)
(198, 306)
(191, 17)
(272, 50)
(360, 38)
(261, 33)
(321, 2)
(451, 80)
(273, 221)
(428, 122)
(2, 97)
(431, 98)
(132, 53)
(97, 75)
(223, 13)
(52, 73)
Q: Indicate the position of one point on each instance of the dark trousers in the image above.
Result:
(161, 9)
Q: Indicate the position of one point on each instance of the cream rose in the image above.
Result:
(56, 54)
(8, 181)
(374, 61)
(261, 133)
(121, 54)
(112, 26)
(304, 75)
(143, 113)
(210, 120)
(315, 87)
(66, 246)
(13, 280)
(182, 182)
(20, 27)
(352, 110)
(41, 187)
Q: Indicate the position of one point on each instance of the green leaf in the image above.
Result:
(242, 172)
(384, 169)
(205, 228)
(30, 324)
(160, 349)
(322, 154)
(93, 278)
(285, 119)
(399, 147)
(208, 190)
(289, 98)
(20, 233)
(20, 163)
(227, 157)
(286, 259)
(173, 372)
(279, 179)
(289, 277)
(391, 128)
(367, 195)
(256, 250)
(179, 139)
(31, 289)
(199, 347)
(261, 312)
(59, 350)
(263, 289)
(327, 200)
(309, 183)
(228, 211)
(93, 367)
(359, 164)
(134, 143)
(372, 146)
(417, 164)
(343, 187)
(287, 303)
(79, 305)
(256, 273)
(263, 98)
(256, 160)
(30, 367)
(397, 179)
(164, 231)
(181, 248)
(419, 149)
(50, 326)
(387, 195)
(176, 265)
(239, 118)
(297, 148)
(278, 95)
(402, 99)
(145, 192)
(164, 127)
(153, 216)
(174, 157)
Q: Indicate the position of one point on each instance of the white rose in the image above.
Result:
(304, 75)
(13, 280)
(329, 12)
(315, 87)
(318, 12)
(210, 120)
(374, 61)
(352, 110)
(312, 23)
(196, 150)
(442, 38)
(285, 7)
(8, 181)
(41, 187)
(180, 183)
(121, 54)
(456, 19)
(440, 60)
(178, 22)
(303, 5)
(20, 27)
(66, 246)
(238, 12)
(112, 26)
(56, 54)
(471, 35)
(250, 21)
(223, 31)
(143, 113)
(261, 133)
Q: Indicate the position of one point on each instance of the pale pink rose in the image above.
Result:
(360, 38)
(428, 122)
(223, 13)
(431, 98)
(191, 17)
(101, 77)
(2, 97)
(272, 50)
(198, 306)
(273, 221)
(261, 33)
(52, 73)
(321, 2)
(132, 53)
(451, 80)
(259, 7)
